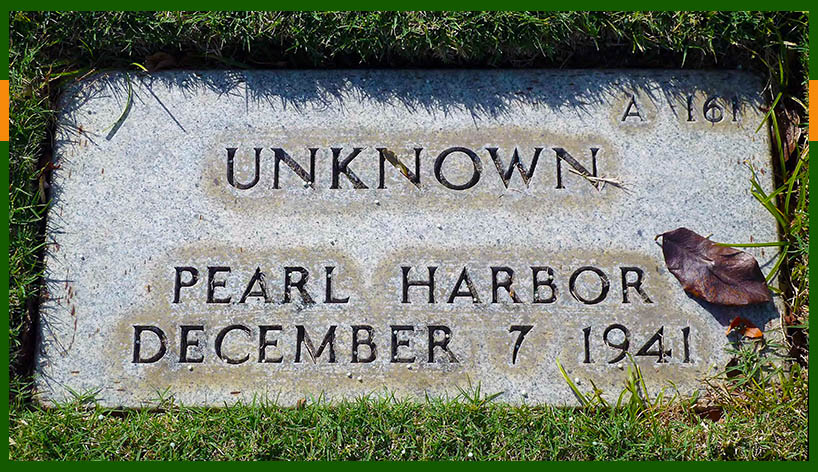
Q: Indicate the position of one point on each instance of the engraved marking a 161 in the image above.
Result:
(714, 109)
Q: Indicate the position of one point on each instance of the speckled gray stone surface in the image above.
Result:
(140, 199)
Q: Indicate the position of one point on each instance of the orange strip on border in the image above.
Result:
(813, 109)
(4, 103)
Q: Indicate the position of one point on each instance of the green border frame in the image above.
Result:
(418, 5)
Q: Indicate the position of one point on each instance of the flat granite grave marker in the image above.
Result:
(227, 235)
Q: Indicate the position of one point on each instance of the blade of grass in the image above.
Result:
(772, 107)
(780, 145)
(770, 244)
(777, 265)
(795, 176)
(782, 220)
(574, 388)
(129, 101)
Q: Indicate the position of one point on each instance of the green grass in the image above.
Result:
(761, 423)
(763, 406)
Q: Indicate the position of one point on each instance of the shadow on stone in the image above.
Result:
(435, 91)
(759, 314)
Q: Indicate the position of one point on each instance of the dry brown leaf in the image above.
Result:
(712, 413)
(746, 328)
(716, 274)
(159, 61)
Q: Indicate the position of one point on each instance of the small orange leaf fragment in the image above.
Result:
(746, 327)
